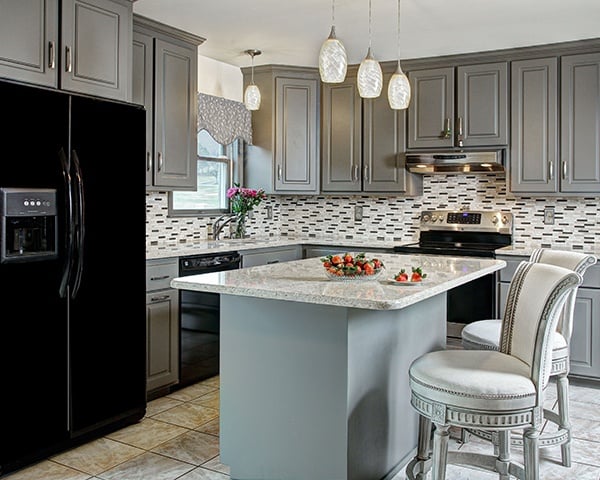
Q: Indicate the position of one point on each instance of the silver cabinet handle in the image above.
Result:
(564, 172)
(366, 173)
(551, 170)
(159, 278)
(355, 173)
(271, 262)
(160, 161)
(148, 161)
(447, 132)
(68, 65)
(279, 172)
(159, 299)
(460, 137)
(51, 56)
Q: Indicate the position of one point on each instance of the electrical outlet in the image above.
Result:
(549, 216)
(269, 212)
(358, 213)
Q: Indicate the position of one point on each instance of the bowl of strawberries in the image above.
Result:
(349, 267)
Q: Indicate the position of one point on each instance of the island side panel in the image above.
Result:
(382, 425)
(283, 389)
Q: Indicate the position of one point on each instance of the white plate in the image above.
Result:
(396, 282)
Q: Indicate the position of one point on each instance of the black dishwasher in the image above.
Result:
(199, 318)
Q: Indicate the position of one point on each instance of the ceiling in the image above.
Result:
(290, 32)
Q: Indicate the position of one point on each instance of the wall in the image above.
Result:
(219, 79)
(394, 218)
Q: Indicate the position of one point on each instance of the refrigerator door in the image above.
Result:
(33, 358)
(107, 311)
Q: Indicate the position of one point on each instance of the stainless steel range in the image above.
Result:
(471, 234)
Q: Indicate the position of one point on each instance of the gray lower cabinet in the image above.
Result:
(284, 155)
(466, 106)
(311, 251)
(556, 132)
(375, 164)
(268, 256)
(585, 339)
(85, 48)
(162, 324)
(165, 81)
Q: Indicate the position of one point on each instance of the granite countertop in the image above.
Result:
(305, 281)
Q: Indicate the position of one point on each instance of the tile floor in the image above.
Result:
(179, 439)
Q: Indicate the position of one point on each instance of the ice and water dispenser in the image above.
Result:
(29, 224)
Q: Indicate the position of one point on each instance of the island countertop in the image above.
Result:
(305, 281)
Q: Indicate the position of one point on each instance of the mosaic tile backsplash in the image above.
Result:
(395, 218)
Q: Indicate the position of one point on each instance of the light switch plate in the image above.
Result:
(269, 212)
(549, 216)
(358, 213)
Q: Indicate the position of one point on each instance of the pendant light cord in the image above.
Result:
(398, 32)
(332, 13)
(369, 24)
(252, 55)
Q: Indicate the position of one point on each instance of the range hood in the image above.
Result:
(488, 161)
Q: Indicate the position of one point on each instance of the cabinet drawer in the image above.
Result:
(270, 256)
(159, 274)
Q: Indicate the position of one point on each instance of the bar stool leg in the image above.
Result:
(503, 462)
(531, 438)
(562, 390)
(440, 451)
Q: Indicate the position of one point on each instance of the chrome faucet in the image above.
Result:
(220, 223)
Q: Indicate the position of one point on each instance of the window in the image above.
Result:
(216, 172)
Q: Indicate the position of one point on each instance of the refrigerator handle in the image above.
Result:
(79, 224)
(68, 265)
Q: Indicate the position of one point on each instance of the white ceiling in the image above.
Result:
(290, 32)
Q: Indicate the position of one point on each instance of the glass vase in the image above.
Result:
(240, 225)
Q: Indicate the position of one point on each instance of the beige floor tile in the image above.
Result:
(188, 415)
(213, 382)
(147, 434)
(212, 427)
(209, 400)
(192, 447)
(47, 470)
(148, 466)
(160, 405)
(216, 465)
(97, 456)
(192, 392)
(201, 473)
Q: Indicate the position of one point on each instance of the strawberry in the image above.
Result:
(402, 276)
(337, 259)
(348, 258)
(368, 269)
(417, 275)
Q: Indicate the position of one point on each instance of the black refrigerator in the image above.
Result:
(72, 271)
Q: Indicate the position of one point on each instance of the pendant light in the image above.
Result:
(399, 86)
(333, 62)
(370, 76)
(252, 93)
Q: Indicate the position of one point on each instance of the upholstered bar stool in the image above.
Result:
(490, 390)
(485, 335)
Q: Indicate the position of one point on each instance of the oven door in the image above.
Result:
(470, 302)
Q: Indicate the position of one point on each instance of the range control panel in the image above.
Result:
(467, 220)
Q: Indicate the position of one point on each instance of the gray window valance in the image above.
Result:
(224, 119)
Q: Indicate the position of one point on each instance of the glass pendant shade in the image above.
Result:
(252, 97)
(333, 62)
(370, 77)
(399, 90)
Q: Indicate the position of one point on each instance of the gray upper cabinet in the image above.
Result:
(284, 156)
(545, 157)
(93, 55)
(580, 123)
(377, 163)
(165, 82)
(466, 106)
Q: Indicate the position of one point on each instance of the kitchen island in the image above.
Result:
(314, 372)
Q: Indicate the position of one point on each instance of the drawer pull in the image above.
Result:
(159, 299)
(159, 278)
(270, 262)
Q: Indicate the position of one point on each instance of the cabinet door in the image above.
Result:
(534, 126)
(580, 123)
(384, 134)
(341, 156)
(96, 38)
(431, 110)
(142, 81)
(482, 105)
(585, 341)
(296, 135)
(162, 363)
(175, 116)
(29, 41)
